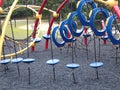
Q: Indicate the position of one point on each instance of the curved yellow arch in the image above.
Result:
(108, 3)
(4, 26)
(31, 7)
(20, 6)
(12, 8)
(21, 51)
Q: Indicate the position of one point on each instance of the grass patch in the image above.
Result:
(19, 33)
(20, 30)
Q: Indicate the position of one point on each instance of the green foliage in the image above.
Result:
(22, 13)
(19, 32)
(51, 4)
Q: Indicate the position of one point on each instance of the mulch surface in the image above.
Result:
(42, 74)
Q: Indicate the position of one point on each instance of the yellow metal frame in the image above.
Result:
(108, 3)
(4, 27)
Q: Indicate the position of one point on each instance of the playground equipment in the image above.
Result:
(107, 31)
(28, 61)
(105, 36)
(53, 61)
(57, 43)
(83, 17)
(68, 31)
(17, 61)
(35, 39)
(70, 26)
(4, 63)
(34, 34)
(55, 15)
(38, 16)
(112, 23)
(112, 5)
(21, 42)
(5, 25)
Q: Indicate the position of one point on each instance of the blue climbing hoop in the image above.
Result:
(73, 26)
(58, 44)
(81, 16)
(110, 21)
(64, 31)
(94, 13)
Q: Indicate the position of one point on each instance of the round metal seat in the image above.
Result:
(28, 60)
(86, 35)
(16, 60)
(6, 61)
(52, 61)
(45, 36)
(104, 37)
(37, 40)
(73, 65)
(96, 64)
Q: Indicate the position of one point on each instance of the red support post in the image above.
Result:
(103, 25)
(53, 19)
(37, 21)
(1, 2)
(85, 38)
(116, 10)
(69, 35)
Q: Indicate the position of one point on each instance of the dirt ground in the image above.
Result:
(42, 74)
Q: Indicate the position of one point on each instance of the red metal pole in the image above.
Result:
(85, 38)
(69, 34)
(37, 21)
(103, 25)
(53, 19)
(116, 10)
(1, 2)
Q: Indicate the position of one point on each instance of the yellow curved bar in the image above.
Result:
(4, 27)
(108, 3)
(1, 10)
(21, 51)
(12, 8)
(31, 7)
(24, 49)
(20, 6)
